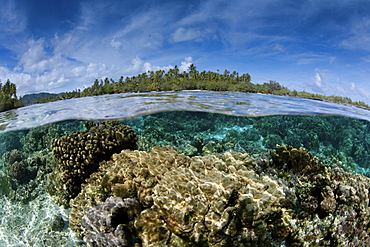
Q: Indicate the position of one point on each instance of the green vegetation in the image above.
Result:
(8, 96)
(174, 80)
(29, 99)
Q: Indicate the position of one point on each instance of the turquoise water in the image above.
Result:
(196, 123)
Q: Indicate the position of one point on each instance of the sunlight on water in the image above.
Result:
(129, 105)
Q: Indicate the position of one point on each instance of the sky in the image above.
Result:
(319, 46)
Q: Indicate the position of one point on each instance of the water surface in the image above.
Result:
(130, 105)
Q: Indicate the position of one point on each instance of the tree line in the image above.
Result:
(172, 80)
(175, 80)
(8, 96)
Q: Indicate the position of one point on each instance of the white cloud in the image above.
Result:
(12, 18)
(279, 47)
(186, 34)
(359, 36)
(138, 66)
(317, 80)
(332, 60)
(328, 83)
(34, 59)
(22, 80)
(185, 64)
(115, 44)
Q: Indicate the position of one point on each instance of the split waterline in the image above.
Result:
(196, 123)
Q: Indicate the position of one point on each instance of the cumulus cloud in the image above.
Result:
(35, 59)
(185, 64)
(138, 66)
(22, 80)
(328, 83)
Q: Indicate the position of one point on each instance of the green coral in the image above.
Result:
(16, 166)
(319, 134)
(5, 185)
(23, 174)
(272, 140)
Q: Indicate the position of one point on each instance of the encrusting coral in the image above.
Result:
(229, 199)
(78, 155)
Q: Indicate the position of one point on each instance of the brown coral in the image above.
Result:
(296, 161)
(232, 199)
(332, 204)
(213, 199)
(78, 155)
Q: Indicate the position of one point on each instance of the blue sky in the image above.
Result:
(320, 46)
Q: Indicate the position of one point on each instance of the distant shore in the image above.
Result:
(172, 80)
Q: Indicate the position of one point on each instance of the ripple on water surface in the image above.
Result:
(129, 105)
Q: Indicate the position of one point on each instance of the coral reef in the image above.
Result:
(78, 155)
(332, 205)
(271, 140)
(214, 200)
(15, 166)
(11, 140)
(40, 138)
(130, 174)
(111, 223)
(23, 174)
(5, 185)
(190, 131)
(229, 199)
(297, 161)
(330, 136)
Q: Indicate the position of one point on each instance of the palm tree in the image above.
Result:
(193, 73)
(13, 90)
(6, 88)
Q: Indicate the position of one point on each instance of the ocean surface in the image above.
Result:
(195, 122)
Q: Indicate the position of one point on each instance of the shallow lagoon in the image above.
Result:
(196, 123)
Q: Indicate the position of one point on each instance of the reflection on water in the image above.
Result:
(7, 117)
(129, 105)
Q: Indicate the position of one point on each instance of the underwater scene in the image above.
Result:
(185, 169)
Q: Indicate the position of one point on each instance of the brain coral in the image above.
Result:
(231, 199)
(78, 155)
